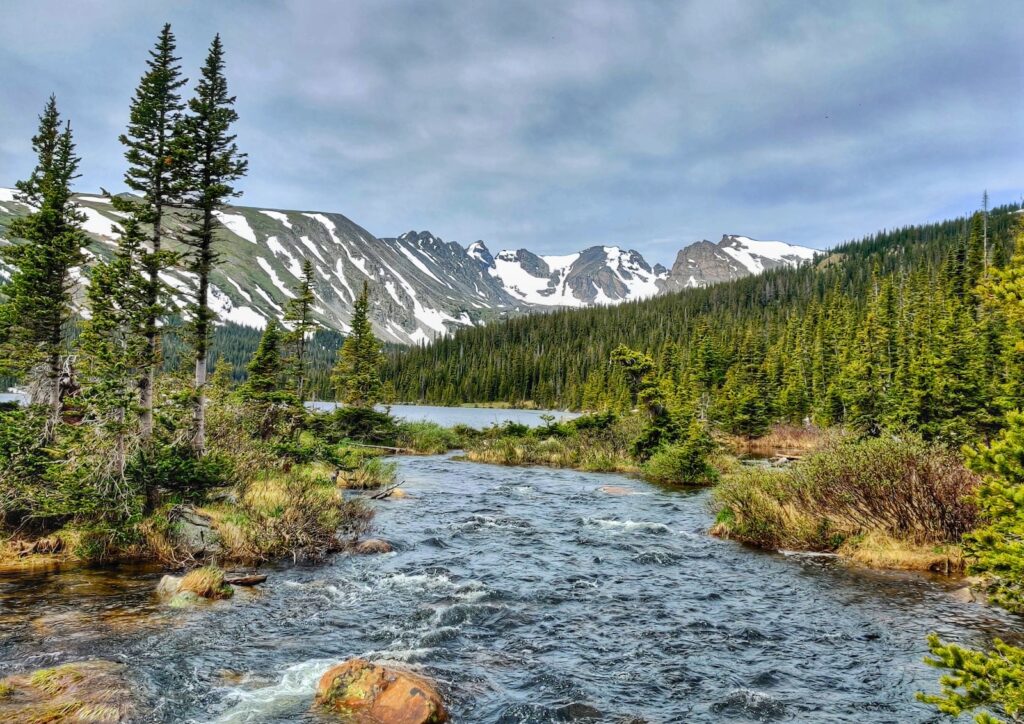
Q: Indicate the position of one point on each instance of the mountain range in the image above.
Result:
(421, 285)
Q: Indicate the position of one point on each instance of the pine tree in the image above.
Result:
(35, 317)
(207, 162)
(268, 405)
(115, 347)
(357, 376)
(265, 368)
(298, 315)
(153, 118)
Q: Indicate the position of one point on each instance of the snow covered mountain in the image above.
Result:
(598, 275)
(704, 263)
(421, 285)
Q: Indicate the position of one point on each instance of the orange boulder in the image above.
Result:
(368, 692)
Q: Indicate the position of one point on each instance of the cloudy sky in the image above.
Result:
(555, 124)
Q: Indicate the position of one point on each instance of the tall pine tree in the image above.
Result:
(298, 315)
(115, 348)
(207, 163)
(35, 317)
(154, 116)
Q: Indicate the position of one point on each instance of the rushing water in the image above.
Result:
(530, 596)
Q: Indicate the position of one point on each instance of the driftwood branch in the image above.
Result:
(381, 494)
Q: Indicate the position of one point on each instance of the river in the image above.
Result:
(530, 596)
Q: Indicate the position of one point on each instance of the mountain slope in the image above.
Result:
(704, 263)
(422, 286)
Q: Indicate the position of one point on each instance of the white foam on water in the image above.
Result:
(296, 687)
(627, 525)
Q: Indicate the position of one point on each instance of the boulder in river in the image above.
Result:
(373, 545)
(364, 691)
(615, 490)
(86, 691)
(168, 587)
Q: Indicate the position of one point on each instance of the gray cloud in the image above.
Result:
(557, 125)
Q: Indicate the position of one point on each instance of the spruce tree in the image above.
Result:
(268, 405)
(153, 118)
(35, 316)
(207, 163)
(357, 375)
(298, 315)
(115, 346)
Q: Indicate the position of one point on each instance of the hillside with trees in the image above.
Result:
(889, 331)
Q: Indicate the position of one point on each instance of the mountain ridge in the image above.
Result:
(423, 286)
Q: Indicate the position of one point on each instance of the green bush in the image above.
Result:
(427, 438)
(176, 469)
(359, 424)
(903, 488)
(685, 462)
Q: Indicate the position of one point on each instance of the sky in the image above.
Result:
(557, 125)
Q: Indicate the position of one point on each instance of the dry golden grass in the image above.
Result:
(206, 582)
(787, 440)
(882, 551)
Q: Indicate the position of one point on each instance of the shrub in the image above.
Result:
(176, 469)
(301, 518)
(360, 424)
(427, 438)
(685, 463)
(375, 472)
(903, 488)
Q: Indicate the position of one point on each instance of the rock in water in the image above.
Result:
(168, 587)
(373, 545)
(83, 691)
(366, 691)
(615, 490)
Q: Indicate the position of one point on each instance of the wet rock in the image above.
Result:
(397, 494)
(185, 599)
(615, 490)
(965, 595)
(364, 691)
(192, 531)
(577, 711)
(373, 545)
(84, 691)
(168, 587)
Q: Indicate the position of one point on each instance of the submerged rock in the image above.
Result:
(84, 691)
(615, 490)
(366, 691)
(185, 599)
(373, 545)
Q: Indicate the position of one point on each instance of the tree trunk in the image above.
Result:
(148, 379)
(199, 441)
(146, 402)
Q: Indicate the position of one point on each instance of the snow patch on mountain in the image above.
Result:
(237, 224)
(752, 253)
(278, 216)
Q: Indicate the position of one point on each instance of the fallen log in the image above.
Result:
(245, 580)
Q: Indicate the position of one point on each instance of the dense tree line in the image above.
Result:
(893, 330)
